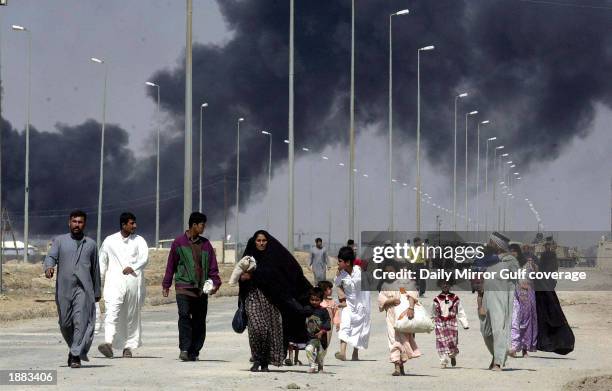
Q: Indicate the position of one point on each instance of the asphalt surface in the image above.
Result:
(37, 344)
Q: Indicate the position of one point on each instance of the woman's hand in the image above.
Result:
(245, 276)
(394, 302)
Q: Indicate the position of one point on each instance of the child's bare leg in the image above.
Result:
(355, 356)
(341, 355)
(295, 357)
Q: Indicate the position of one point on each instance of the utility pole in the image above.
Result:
(187, 175)
(224, 216)
(290, 245)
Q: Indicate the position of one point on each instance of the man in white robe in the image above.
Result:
(123, 257)
(355, 317)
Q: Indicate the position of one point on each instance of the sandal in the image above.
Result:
(340, 357)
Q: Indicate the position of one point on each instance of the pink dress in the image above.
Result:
(402, 346)
(334, 315)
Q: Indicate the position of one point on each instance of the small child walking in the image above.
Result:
(332, 307)
(318, 324)
(446, 310)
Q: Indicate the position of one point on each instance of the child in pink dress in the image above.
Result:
(402, 346)
(331, 305)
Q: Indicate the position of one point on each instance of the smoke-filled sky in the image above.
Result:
(538, 71)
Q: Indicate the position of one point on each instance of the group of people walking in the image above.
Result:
(117, 268)
(283, 311)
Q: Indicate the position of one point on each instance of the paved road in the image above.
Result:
(37, 344)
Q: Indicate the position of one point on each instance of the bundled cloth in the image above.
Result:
(245, 265)
(420, 323)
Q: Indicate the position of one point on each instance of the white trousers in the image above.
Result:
(123, 298)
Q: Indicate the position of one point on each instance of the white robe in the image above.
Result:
(355, 317)
(124, 295)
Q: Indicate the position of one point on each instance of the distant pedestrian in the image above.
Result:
(318, 261)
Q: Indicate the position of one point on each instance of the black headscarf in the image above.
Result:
(280, 278)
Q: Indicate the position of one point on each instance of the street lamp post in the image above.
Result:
(398, 13)
(351, 195)
(310, 193)
(269, 178)
(499, 175)
(26, 198)
(290, 148)
(467, 216)
(487, 181)
(494, 205)
(99, 225)
(478, 174)
(156, 167)
(202, 106)
(418, 154)
(187, 178)
(238, 185)
(463, 95)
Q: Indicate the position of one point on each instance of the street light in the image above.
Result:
(467, 220)
(290, 214)
(351, 189)
(151, 84)
(188, 164)
(487, 180)
(486, 122)
(238, 186)
(310, 193)
(202, 106)
(418, 155)
(462, 95)
(398, 13)
(99, 225)
(26, 187)
(499, 175)
(269, 177)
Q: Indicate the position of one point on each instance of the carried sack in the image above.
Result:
(420, 323)
(239, 323)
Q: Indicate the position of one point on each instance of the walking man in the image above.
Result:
(193, 265)
(123, 257)
(318, 261)
(77, 288)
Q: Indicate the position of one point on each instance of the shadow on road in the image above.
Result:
(553, 358)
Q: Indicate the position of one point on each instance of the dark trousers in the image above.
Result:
(192, 323)
(421, 282)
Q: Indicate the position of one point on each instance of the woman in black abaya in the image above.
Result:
(554, 333)
(274, 295)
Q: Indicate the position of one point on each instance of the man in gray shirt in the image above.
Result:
(318, 261)
(77, 288)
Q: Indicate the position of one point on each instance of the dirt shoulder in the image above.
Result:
(29, 295)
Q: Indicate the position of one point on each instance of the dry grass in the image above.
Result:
(28, 294)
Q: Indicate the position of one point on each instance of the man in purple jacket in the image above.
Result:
(192, 262)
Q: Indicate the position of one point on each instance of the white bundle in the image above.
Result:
(420, 323)
(246, 264)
